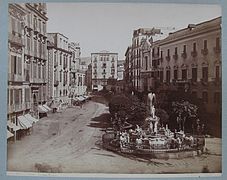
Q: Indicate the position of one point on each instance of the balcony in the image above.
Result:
(204, 51)
(184, 55)
(194, 54)
(103, 73)
(168, 58)
(16, 39)
(16, 107)
(217, 50)
(56, 83)
(175, 56)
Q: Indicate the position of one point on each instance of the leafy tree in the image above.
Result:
(127, 109)
(184, 110)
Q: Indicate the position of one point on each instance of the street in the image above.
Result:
(69, 142)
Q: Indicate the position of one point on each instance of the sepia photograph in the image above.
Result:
(114, 88)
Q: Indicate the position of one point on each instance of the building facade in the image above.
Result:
(104, 67)
(140, 39)
(66, 78)
(120, 69)
(190, 59)
(18, 85)
(27, 58)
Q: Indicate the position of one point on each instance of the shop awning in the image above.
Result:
(41, 109)
(47, 107)
(31, 119)
(13, 126)
(80, 98)
(23, 122)
(9, 134)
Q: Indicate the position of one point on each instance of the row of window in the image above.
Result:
(205, 97)
(104, 58)
(205, 47)
(184, 73)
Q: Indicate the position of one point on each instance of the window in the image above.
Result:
(104, 65)
(175, 50)
(168, 53)
(217, 73)
(194, 74)
(194, 47)
(205, 96)
(158, 51)
(184, 74)
(205, 74)
(39, 70)
(146, 62)
(161, 54)
(60, 76)
(205, 44)
(175, 74)
(217, 97)
(161, 76)
(60, 59)
(168, 76)
(185, 49)
(27, 95)
(217, 42)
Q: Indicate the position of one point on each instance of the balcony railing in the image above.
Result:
(204, 51)
(194, 53)
(184, 55)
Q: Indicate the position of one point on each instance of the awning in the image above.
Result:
(47, 107)
(41, 109)
(80, 98)
(13, 126)
(31, 119)
(9, 134)
(23, 122)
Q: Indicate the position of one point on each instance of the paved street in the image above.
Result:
(69, 142)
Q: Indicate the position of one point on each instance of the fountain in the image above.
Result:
(156, 140)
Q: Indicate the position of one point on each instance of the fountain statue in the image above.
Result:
(153, 118)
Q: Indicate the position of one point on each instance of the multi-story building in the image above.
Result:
(120, 69)
(140, 36)
(59, 67)
(27, 59)
(18, 81)
(78, 69)
(35, 52)
(190, 59)
(66, 78)
(88, 78)
(104, 67)
(127, 70)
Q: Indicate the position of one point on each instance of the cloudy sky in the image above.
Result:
(109, 26)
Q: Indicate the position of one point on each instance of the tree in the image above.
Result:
(184, 110)
(127, 109)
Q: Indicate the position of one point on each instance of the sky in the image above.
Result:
(109, 26)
